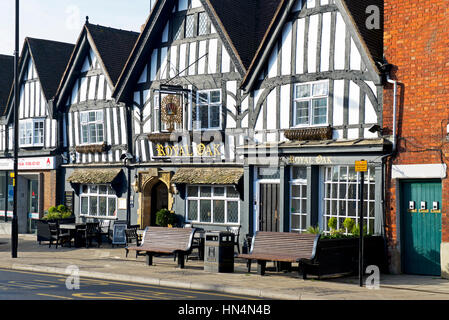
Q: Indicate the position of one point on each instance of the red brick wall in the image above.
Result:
(417, 44)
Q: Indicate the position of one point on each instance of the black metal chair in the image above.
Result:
(90, 231)
(133, 236)
(58, 236)
(236, 232)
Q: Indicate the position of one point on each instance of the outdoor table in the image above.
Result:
(72, 229)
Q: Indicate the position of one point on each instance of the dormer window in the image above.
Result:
(92, 127)
(31, 133)
(310, 104)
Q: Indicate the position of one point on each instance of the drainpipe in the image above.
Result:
(395, 83)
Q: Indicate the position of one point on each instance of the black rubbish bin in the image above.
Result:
(219, 252)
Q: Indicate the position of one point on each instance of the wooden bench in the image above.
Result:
(160, 240)
(280, 247)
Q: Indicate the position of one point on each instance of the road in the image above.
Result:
(25, 285)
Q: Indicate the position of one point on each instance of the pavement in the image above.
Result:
(111, 264)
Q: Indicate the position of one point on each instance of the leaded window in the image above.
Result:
(98, 201)
(190, 26)
(341, 196)
(311, 103)
(213, 204)
(202, 23)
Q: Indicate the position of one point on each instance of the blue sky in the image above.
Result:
(61, 20)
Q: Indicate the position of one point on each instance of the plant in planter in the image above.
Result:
(165, 218)
(313, 230)
(335, 233)
(57, 213)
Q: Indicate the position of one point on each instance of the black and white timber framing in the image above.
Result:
(87, 87)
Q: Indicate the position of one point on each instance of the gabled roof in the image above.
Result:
(241, 26)
(49, 59)
(354, 11)
(114, 47)
(373, 39)
(6, 79)
(245, 23)
(111, 46)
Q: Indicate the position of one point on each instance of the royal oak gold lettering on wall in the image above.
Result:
(320, 160)
(185, 151)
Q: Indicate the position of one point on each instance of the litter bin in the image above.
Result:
(219, 252)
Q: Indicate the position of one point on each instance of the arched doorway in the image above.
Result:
(155, 198)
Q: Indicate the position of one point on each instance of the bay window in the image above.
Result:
(98, 201)
(213, 204)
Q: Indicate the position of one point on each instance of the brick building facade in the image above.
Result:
(416, 43)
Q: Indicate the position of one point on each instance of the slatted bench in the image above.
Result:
(280, 247)
(160, 240)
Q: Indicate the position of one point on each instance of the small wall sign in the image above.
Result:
(361, 166)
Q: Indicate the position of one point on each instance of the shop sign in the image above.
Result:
(318, 160)
(41, 163)
(201, 150)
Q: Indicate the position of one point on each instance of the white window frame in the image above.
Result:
(310, 101)
(369, 204)
(88, 123)
(31, 122)
(303, 211)
(198, 106)
(211, 198)
(91, 194)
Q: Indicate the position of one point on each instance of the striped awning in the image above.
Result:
(94, 176)
(208, 176)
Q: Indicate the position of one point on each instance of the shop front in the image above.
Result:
(37, 190)
(304, 184)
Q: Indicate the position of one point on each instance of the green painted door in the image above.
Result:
(421, 227)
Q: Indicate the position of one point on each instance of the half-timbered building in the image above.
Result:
(182, 83)
(41, 65)
(6, 79)
(316, 108)
(95, 128)
(253, 113)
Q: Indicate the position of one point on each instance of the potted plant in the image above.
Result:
(60, 214)
(165, 218)
(337, 252)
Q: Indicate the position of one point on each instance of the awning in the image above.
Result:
(208, 176)
(94, 176)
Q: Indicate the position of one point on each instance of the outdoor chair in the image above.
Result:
(133, 237)
(90, 231)
(236, 232)
(57, 235)
(105, 229)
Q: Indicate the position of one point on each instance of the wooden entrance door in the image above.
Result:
(269, 207)
(421, 228)
(159, 200)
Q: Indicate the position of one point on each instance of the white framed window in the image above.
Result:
(31, 133)
(213, 204)
(341, 196)
(208, 110)
(298, 199)
(92, 127)
(98, 201)
(310, 103)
